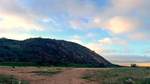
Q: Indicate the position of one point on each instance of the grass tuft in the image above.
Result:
(48, 72)
(59, 69)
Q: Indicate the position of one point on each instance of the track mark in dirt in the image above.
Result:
(72, 76)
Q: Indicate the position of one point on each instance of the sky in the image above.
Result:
(118, 30)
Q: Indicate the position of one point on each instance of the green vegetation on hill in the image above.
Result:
(48, 51)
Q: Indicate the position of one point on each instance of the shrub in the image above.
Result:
(133, 65)
(10, 79)
(147, 67)
(13, 66)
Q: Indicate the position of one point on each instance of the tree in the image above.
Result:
(133, 65)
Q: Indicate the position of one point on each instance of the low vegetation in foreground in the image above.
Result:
(48, 72)
(119, 76)
(11, 80)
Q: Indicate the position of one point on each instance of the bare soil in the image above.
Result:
(67, 76)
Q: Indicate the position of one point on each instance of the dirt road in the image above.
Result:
(72, 76)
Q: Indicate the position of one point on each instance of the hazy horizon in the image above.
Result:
(138, 64)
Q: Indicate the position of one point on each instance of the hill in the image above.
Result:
(40, 50)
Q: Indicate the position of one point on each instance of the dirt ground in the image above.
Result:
(68, 76)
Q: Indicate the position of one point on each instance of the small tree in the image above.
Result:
(133, 65)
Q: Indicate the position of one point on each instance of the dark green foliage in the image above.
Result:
(100, 65)
(133, 65)
(13, 66)
(10, 80)
(49, 65)
(54, 52)
(22, 64)
(39, 62)
(145, 81)
(147, 67)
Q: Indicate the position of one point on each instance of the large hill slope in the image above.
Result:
(47, 51)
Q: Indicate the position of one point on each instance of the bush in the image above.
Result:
(13, 66)
(10, 79)
(147, 67)
(133, 65)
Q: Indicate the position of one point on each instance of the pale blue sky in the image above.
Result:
(116, 29)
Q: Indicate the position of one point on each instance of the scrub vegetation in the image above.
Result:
(10, 79)
(48, 72)
(124, 75)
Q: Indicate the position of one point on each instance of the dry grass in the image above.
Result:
(119, 76)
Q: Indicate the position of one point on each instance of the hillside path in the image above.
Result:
(72, 76)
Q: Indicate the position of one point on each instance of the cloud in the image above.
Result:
(130, 6)
(22, 36)
(140, 36)
(76, 37)
(116, 25)
(126, 58)
(98, 48)
(90, 35)
(10, 24)
(114, 40)
(103, 51)
(93, 45)
(76, 24)
(147, 51)
(119, 25)
(126, 16)
(124, 61)
(117, 17)
(102, 46)
(76, 41)
(75, 8)
(79, 24)
(18, 17)
(125, 49)
(15, 16)
(50, 20)
(106, 41)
